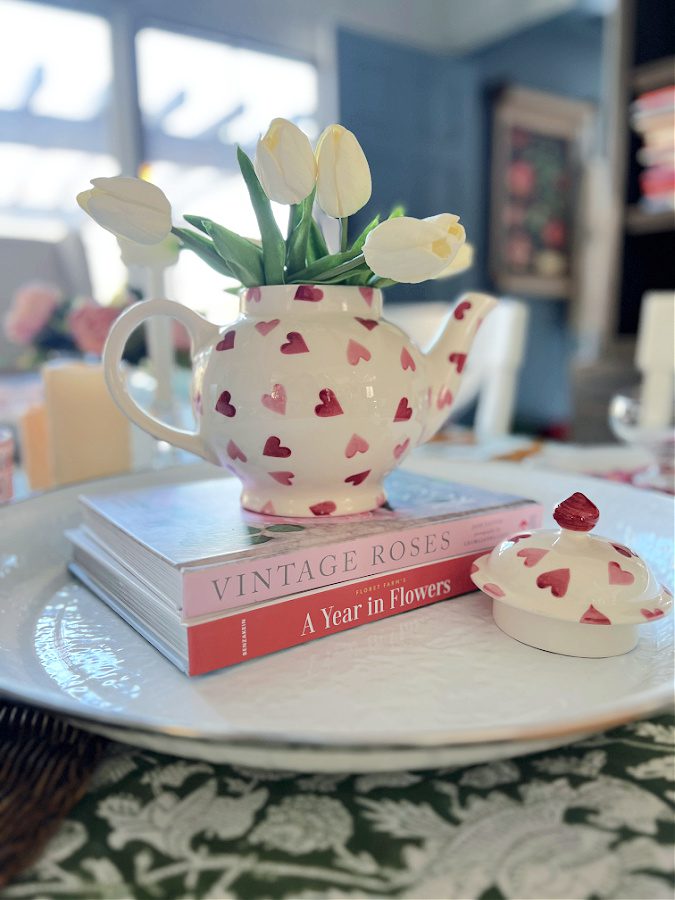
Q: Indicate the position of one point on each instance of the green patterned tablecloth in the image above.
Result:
(594, 820)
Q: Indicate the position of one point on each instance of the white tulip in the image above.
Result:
(461, 262)
(157, 256)
(450, 224)
(284, 163)
(343, 182)
(129, 208)
(412, 250)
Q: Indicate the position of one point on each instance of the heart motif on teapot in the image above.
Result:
(227, 342)
(356, 444)
(557, 580)
(403, 410)
(283, 477)
(531, 555)
(329, 405)
(274, 447)
(276, 401)
(407, 362)
(617, 575)
(295, 343)
(356, 352)
(461, 309)
(357, 479)
(458, 360)
(223, 405)
(367, 323)
(234, 452)
(325, 508)
(400, 449)
(264, 328)
(310, 293)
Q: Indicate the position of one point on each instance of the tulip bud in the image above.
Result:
(284, 163)
(128, 207)
(412, 250)
(343, 183)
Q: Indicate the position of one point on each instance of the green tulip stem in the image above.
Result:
(344, 231)
(339, 270)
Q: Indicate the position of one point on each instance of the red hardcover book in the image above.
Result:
(259, 630)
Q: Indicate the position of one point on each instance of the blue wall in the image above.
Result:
(423, 121)
(409, 111)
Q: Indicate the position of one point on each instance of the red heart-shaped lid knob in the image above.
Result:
(577, 513)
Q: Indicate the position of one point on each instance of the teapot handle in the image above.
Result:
(201, 334)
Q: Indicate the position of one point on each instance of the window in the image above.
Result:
(198, 99)
(55, 82)
(194, 115)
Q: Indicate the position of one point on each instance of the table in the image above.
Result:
(592, 820)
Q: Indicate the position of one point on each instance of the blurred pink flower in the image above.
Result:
(31, 309)
(90, 324)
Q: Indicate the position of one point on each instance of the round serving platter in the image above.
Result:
(434, 687)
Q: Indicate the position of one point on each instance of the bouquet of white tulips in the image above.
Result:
(287, 170)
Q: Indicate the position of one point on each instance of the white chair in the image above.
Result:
(491, 373)
(655, 358)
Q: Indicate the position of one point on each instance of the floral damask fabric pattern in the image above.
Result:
(595, 820)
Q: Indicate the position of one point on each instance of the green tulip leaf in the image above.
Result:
(298, 238)
(327, 268)
(200, 223)
(197, 222)
(357, 246)
(205, 249)
(377, 282)
(316, 246)
(294, 219)
(397, 212)
(273, 244)
(360, 275)
(244, 258)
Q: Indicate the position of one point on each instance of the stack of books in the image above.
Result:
(211, 585)
(653, 116)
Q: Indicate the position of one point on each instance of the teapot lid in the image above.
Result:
(570, 575)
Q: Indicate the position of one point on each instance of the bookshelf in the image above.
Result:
(652, 75)
(638, 221)
(648, 261)
(642, 38)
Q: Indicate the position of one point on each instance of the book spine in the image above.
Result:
(214, 589)
(258, 632)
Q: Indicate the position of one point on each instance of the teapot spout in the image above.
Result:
(447, 356)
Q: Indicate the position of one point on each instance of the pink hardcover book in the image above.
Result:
(195, 546)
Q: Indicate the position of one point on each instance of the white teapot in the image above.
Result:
(310, 398)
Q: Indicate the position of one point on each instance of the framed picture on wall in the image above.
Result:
(539, 143)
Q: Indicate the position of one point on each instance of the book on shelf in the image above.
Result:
(654, 102)
(210, 584)
(653, 117)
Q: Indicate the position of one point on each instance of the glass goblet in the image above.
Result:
(627, 421)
